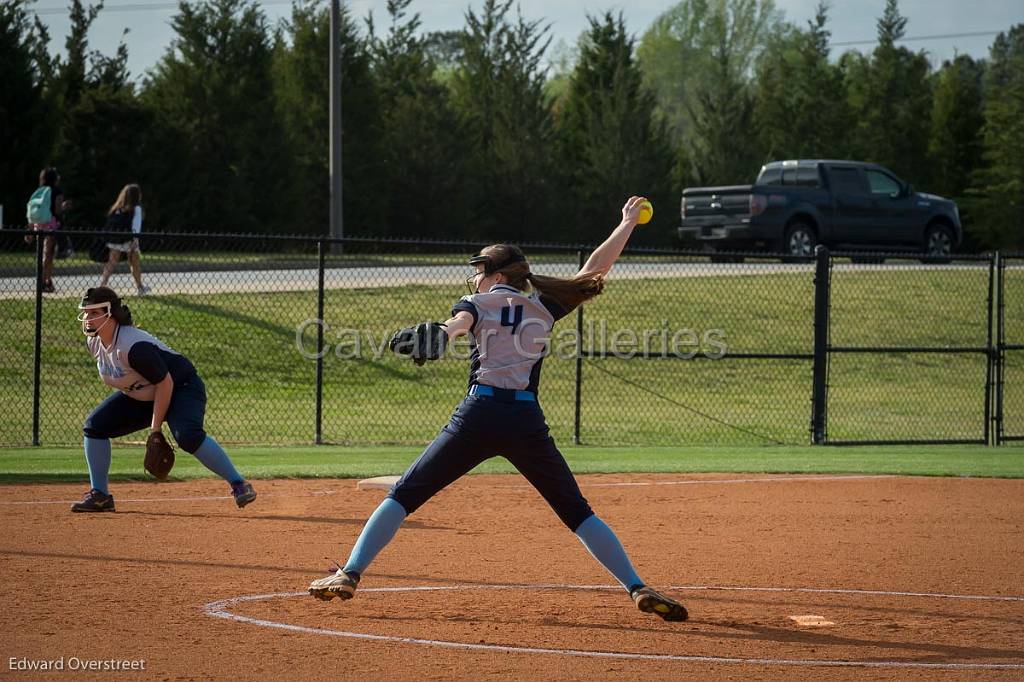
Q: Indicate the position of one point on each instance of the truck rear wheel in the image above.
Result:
(799, 241)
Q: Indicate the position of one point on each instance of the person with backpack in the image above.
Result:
(43, 213)
(125, 216)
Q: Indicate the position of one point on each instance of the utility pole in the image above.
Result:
(337, 230)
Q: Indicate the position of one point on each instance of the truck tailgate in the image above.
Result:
(716, 201)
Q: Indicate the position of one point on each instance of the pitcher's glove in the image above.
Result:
(159, 455)
(425, 341)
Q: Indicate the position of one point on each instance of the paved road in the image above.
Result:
(228, 281)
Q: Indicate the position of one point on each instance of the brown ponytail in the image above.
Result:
(508, 260)
(568, 293)
(122, 315)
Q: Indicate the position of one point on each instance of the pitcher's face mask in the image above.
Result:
(473, 281)
(94, 317)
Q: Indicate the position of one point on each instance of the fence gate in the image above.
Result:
(1009, 368)
(910, 350)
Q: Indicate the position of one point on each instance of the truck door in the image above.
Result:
(895, 211)
(852, 203)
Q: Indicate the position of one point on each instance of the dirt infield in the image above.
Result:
(922, 578)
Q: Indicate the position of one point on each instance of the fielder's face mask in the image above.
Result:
(91, 322)
(490, 267)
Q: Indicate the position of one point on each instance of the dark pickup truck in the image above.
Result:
(795, 205)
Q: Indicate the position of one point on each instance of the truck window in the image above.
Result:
(789, 176)
(846, 180)
(771, 175)
(807, 176)
(883, 183)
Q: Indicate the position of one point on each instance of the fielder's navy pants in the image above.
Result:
(120, 415)
(483, 427)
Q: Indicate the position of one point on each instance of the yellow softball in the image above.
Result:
(646, 212)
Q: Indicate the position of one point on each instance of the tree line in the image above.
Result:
(489, 132)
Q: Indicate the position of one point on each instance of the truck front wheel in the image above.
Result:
(938, 243)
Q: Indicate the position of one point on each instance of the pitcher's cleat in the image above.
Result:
(340, 584)
(94, 501)
(649, 601)
(243, 493)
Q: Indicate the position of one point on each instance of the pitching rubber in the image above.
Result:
(377, 483)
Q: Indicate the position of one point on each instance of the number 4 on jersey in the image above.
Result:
(510, 318)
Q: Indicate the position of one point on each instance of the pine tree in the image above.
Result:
(890, 98)
(25, 126)
(99, 129)
(107, 141)
(302, 96)
(999, 184)
(420, 136)
(213, 87)
(610, 146)
(800, 107)
(498, 93)
(955, 141)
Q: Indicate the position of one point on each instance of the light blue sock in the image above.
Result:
(377, 533)
(601, 542)
(213, 457)
(97, 456)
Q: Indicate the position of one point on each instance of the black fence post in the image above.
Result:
(1000, 352)
(38, 351)
(579, 362)
(819, 386)
(990, 350)
(318, 439)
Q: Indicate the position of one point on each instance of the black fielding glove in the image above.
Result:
(425, 341)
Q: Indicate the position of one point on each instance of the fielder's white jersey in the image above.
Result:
(120, 371)
(510, 334)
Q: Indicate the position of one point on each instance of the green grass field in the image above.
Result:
(262, 390)
(50, 465)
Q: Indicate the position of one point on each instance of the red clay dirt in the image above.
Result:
(133, 585)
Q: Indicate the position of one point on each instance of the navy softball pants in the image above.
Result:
(483, 427)
(120, 415)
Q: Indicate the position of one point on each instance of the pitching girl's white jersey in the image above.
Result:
(511, 330)
(136, 360)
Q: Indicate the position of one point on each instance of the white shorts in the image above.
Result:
(132, 245)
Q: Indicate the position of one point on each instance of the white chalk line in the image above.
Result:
(787, 479)
(197, 498)
(876, 593)
(724, 481)
(779, 478)
(219, 609)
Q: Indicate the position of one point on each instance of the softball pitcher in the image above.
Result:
(509, 315)
(154, 383)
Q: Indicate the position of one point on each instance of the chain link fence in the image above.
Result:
(909, 350)
(1010, 332)
(290, 335)
(681, 349)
